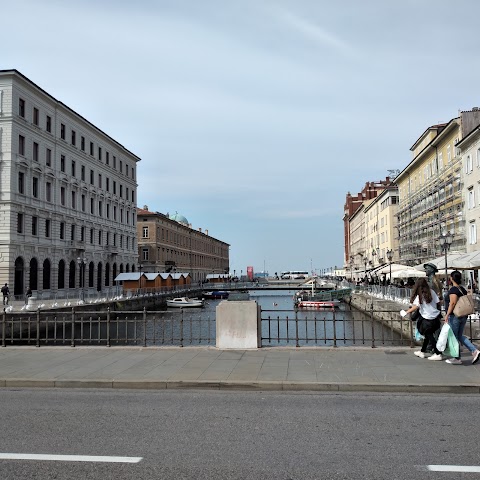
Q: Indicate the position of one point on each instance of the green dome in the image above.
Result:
(178, 218)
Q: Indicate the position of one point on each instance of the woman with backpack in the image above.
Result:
(457, 324)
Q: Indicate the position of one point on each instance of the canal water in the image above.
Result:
(282, 325)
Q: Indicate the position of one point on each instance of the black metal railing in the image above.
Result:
(184, 327)
(108, 328)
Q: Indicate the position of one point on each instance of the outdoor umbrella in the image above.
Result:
(439, 262)
(395, 267)
(408, 272)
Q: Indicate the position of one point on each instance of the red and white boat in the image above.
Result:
(318, 304)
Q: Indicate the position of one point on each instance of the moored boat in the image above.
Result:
(216, 294)
(185, 302)
(318, 304)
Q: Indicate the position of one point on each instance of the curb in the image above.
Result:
(284, 386)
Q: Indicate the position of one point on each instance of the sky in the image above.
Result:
(254, 118)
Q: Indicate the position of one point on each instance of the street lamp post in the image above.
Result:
(390, 258)
(445, 240)
(82, 263)
(365, 262)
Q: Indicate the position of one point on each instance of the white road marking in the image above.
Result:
(453, 468)
(68, 458)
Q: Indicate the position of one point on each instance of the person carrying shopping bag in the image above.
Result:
(426, 300)
(457, 324)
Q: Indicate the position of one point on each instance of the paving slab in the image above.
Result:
(282, 368)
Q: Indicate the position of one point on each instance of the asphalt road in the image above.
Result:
(234, 435)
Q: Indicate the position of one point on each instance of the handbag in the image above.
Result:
(465, 305)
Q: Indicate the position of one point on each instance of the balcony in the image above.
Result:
(77, 245)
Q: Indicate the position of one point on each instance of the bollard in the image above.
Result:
(4, 324)
(296, 329)
(181, 329)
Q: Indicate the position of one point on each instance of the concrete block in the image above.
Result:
(238, 325)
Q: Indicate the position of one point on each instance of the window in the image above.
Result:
(107, 184)
(108, 210)
(35, 226)
(82, 234)
(35, 187)
(92, 210)
(133, 196)
(47, 227)
(115, 212)
(21, 182)
(49, 124)
(100, 237)
(19, 222)
(92, 181)
(35, 151)
(73, 168)
(82, 143)
(62, 195)
(473, 233)
(100, 208)
(21, 145)
(83, 203)
(91, 235)
(62, 163)
(114, 162)
(471, 198)
(35, 116)
(48, 157)
(21, 107)
(74, 200)
(82, 172)
(121, 166)
(48, 192)
(62, 131)
(99, 153)
(62, 230)
(469, 164)
(107, 158)
(144, 253)
(114, 187)
(121, 191)
(91, 149)
(145, 232)
(100, 180)
(72, 233)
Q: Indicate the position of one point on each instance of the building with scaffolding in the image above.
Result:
(431, 191)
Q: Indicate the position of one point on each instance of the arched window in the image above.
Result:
(91, 274)
(71, 275)
(18, 285)
(33, 274)
(99, 277)
(121, 268)
(46, 275)
(107, 274)
(61, 274)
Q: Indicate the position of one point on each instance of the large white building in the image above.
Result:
(68, 196)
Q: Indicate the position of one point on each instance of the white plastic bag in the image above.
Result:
(443, 337)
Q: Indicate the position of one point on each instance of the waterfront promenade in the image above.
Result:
(282, 369)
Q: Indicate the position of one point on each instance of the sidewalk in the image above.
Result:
(321, 369)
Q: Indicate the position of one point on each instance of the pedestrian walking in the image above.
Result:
(28, 294)
(427, 302)
(6, 292)
(457, 324)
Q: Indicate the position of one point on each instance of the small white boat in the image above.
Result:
(185, 302)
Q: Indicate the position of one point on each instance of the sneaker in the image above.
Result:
(421, 354)
(453, 361)
(436, 356)
(476, 357)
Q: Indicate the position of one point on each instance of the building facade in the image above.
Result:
(469, 150)
(68, 196)
(168, 242)
(431, 192)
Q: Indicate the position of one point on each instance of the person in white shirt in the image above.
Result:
(426, 300)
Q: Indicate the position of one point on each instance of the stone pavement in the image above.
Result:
(320, 369)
